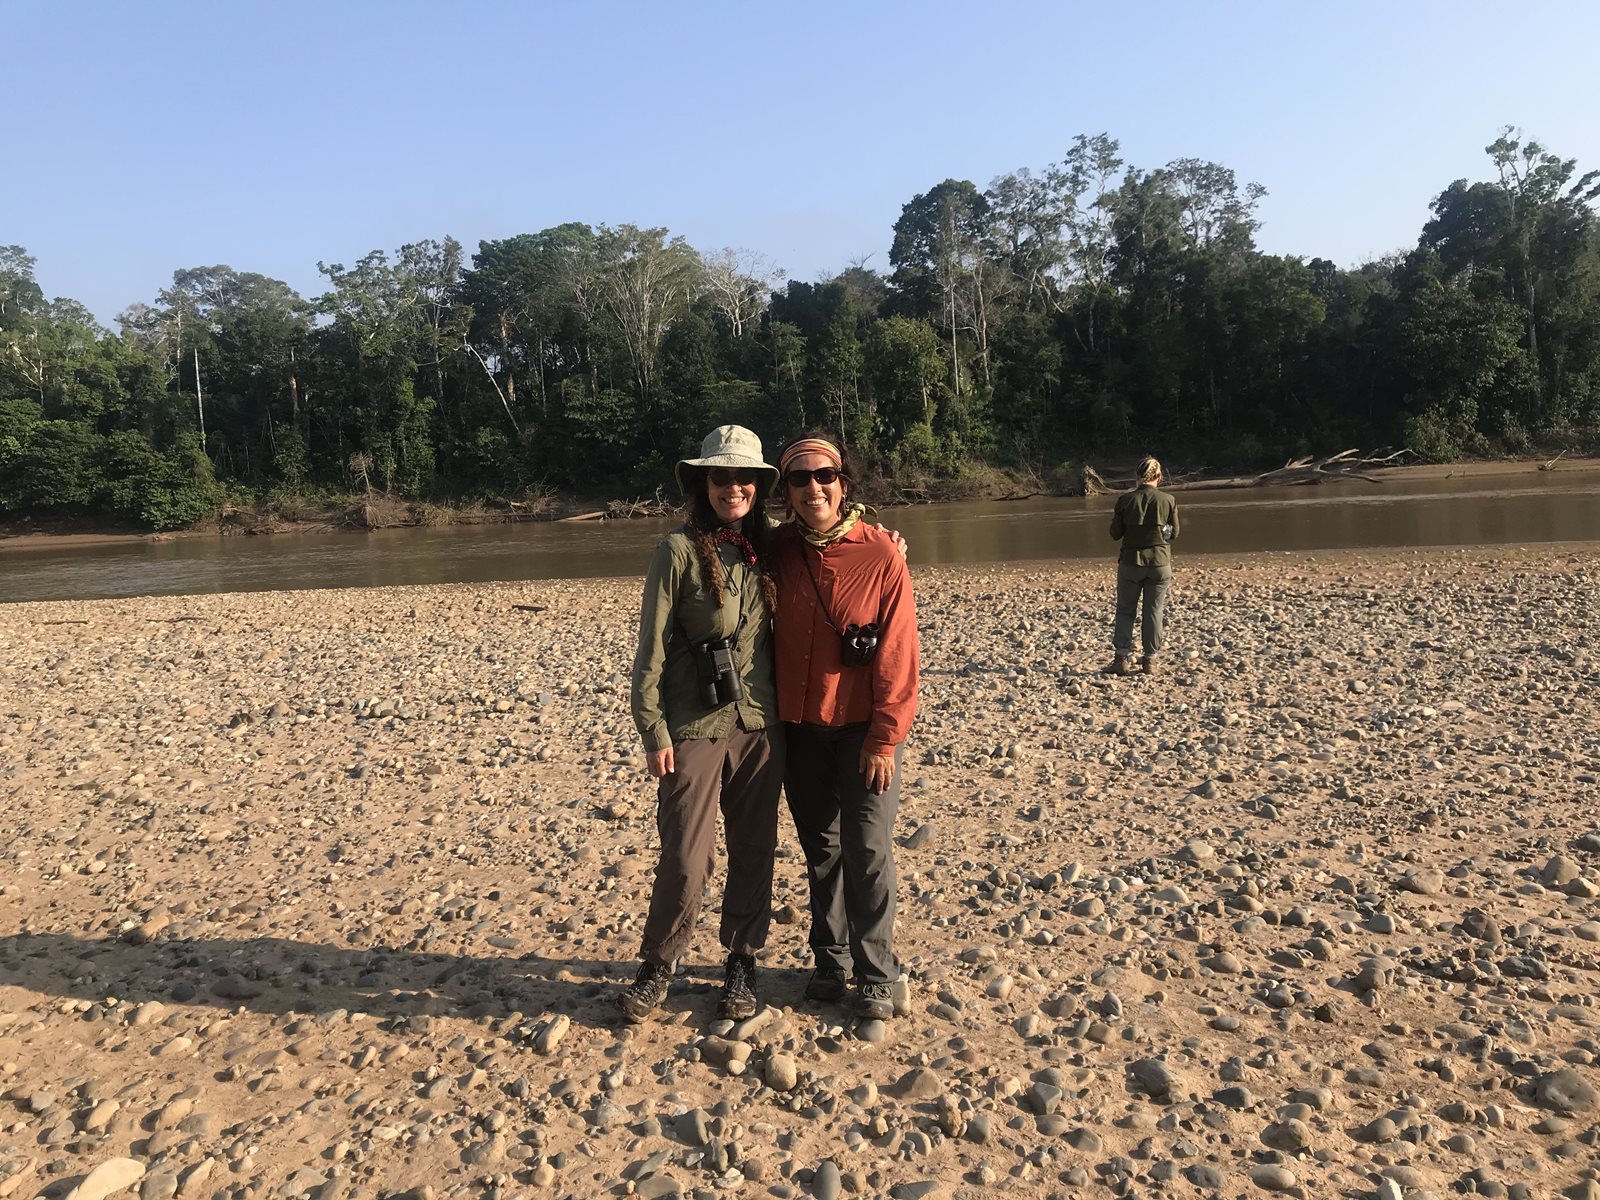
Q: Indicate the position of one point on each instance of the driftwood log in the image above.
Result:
(629, 510)
(1090, 482)
(1348, 464)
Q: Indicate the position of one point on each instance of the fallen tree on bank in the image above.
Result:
(1348, 464)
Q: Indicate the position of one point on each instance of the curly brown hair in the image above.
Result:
(703, 524)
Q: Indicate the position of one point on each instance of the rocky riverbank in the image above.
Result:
(328, 893)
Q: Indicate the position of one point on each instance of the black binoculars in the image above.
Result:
(719, 674)
(858, 644)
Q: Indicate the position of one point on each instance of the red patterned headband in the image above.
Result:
(810, 446)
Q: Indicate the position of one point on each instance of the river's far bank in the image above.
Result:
(352, 516)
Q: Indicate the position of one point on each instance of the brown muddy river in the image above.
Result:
(1494, 510)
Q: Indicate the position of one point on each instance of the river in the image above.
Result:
(1504, 509)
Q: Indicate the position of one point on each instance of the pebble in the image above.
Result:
(919, 1083)
(1424, 881)
(1103, 990)
(107, 1179)
(782, 1072)
(1273, 1178)
(1566, 1091)
(1153, 1077)
(1291, 1137)
(825, 1183)
(548, 1040)
(15, 1174)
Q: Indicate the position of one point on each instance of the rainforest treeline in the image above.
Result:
(1089, 308)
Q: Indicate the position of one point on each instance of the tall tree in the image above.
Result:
(940, 259)
(643, 281)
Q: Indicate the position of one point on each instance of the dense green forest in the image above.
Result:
(1090, 308)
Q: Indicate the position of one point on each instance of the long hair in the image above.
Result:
(703, 525)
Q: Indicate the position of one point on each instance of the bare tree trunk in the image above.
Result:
(294, 392)
(199, 401)
(544, 395)
(505, 358)
(955, 358)
(504, 403)
(983, 323)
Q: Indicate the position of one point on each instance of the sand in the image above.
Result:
(329, 894)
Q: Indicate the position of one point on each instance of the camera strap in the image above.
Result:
(821, 603)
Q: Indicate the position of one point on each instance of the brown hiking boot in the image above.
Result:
(649, 989)
(875, 1001)
(1120, 665)
(826, 983)
(739, 996)
(1147, 666)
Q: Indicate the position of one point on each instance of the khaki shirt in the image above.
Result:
(1137, 522)
(678, 613)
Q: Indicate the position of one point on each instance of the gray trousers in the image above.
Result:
(1132, 583)
(847, 834)
(742, 775)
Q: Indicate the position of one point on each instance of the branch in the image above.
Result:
(473, 350)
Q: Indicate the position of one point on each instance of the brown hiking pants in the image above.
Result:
(742, 774)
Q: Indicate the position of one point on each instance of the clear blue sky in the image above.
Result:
(145, 137)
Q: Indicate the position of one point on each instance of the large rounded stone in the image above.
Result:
(1566, 1091)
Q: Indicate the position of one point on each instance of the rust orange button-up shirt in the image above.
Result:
(862, 578)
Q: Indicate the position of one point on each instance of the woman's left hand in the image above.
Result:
(900, 543)
(877, 770)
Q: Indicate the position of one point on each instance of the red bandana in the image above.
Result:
(738, 540)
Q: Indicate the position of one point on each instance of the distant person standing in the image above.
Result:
(1145, 521)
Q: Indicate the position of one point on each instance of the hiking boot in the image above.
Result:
(1120, 665)
(1147, 665)
(875, 1000)
(649, 989)
(826, 984)
(739, 999)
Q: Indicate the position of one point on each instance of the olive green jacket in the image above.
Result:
(1137, 522)
(680, 612)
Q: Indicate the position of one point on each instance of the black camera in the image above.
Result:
(719, 674)
(858, 644)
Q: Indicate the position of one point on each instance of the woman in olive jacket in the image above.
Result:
(705, 706)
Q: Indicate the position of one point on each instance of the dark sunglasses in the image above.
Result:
(723, 476)
(823, 475)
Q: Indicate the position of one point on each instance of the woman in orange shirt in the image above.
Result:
(846, 646)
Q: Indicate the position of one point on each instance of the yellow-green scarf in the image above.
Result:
(847, 521)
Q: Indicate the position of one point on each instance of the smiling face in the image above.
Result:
(730, 498)
(819, 505)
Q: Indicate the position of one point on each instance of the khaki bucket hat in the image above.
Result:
(729, 446)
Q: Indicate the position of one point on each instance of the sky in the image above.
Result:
(143, 138)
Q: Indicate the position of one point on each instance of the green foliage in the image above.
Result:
(57, 467)
(1087, 307)
(1437, 436)
(290, 460)
(18, 420)
(163, 491)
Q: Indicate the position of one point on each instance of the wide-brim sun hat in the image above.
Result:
(729, 446)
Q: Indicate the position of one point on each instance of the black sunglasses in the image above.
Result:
(823, 475)
(723, 476)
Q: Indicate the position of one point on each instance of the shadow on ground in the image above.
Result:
(277, 975)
